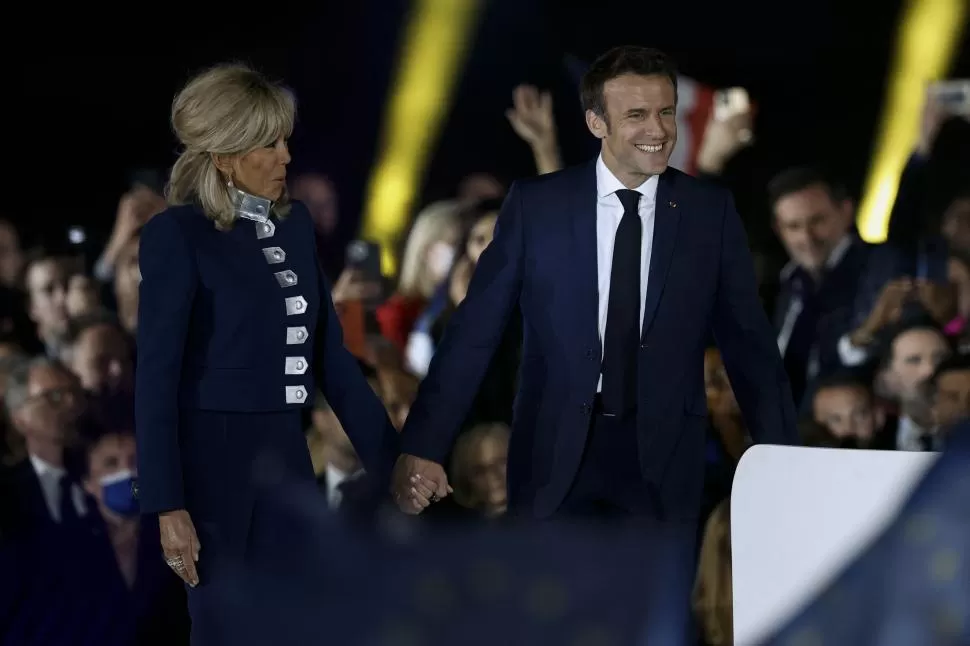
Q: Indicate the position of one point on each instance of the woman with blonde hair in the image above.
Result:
(713, 598)
(425, 264)
(236, 331)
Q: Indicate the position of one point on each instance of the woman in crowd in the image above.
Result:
(426, 262)
(236, 330)
(712, 598)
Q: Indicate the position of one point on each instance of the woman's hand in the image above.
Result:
(887, 311)
(352, 286)
(939, 300)
(180, 544)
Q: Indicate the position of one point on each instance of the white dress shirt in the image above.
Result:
(909, 436)
(795, 306)
(609, 212)
(50, 484)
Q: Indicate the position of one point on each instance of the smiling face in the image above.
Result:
(639, 128)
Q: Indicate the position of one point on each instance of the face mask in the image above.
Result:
(117, 494)
(440, 258)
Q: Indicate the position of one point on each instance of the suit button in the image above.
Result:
(585, 408)
(589, 353)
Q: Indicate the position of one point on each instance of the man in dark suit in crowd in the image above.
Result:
(44, 403)
(621, 268)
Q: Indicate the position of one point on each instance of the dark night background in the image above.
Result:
(90, 104)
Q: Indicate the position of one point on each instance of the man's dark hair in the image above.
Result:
(844, 379)
(954, 363)
(886, 339)
(95, 319)
(962, 192)
(799, 178)
(619, 61)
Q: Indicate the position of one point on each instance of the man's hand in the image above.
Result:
(417, 482)
(180, 544)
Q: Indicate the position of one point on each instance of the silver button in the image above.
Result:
(286, 278)
(265, 230)
(274, 255)
(295, 394)
(295, 335)
(295, 305)
(295, 366)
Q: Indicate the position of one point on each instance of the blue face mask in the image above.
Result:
(117, 494)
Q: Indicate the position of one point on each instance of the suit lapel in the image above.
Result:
(32, 494)
(582, 210)
(666, 219)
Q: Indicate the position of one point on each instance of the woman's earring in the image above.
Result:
(229, 182)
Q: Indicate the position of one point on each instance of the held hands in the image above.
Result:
(416, 483)
(180, 544)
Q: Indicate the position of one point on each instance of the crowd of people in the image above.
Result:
(875, 340)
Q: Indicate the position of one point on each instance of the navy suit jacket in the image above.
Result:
(239, 321)
(543, 258)
(22, 504)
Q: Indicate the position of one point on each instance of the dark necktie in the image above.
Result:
(622, 336)
(68, 510)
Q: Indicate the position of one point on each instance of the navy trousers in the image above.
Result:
(609, 491)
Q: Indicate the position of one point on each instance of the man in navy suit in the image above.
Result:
(621, 269)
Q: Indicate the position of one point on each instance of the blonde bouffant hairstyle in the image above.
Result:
(229, 109)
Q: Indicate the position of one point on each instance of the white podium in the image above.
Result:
(798, 516)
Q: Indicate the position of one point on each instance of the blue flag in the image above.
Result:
(912, 586)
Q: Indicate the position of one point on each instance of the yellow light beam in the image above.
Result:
(438, 37)
(929, 35)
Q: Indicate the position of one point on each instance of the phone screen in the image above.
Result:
(76, 235)
(365, 257)
(953, 96)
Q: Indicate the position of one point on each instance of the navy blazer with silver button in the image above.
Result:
(239, 321)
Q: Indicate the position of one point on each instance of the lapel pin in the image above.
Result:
(672, 205)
